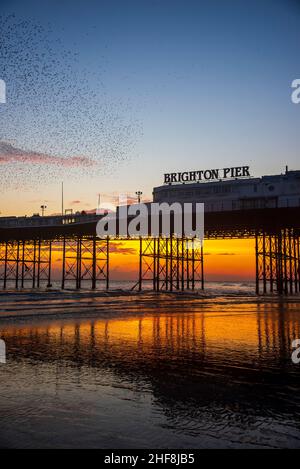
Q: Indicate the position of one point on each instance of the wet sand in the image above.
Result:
(149, 370)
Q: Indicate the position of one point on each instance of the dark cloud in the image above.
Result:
(75, 202)
(220, 253)
(121, 248)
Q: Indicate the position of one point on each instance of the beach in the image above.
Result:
(149, 370)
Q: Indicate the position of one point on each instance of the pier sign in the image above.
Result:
(207, 175)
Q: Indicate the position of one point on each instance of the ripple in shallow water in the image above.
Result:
(150, 371)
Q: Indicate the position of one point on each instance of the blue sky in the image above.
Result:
(148, 87)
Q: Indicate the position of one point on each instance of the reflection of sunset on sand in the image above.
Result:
(241, 326)
(188, 372)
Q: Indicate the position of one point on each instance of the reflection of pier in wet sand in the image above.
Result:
(213, 372)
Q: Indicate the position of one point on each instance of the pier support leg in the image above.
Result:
(85, 262)
(277, 261)
(171, 263)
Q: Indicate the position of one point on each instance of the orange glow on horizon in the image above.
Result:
(231, 260)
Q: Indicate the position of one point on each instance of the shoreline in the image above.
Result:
(22, 305)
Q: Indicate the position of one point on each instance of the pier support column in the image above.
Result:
(277, 262)
(25, 263)
(85, 262)
(4, 249)
(171, 263)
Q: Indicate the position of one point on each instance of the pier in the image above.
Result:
(168, 263)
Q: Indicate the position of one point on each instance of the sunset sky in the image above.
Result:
(224, 260)
(109, 95)
(106, 96)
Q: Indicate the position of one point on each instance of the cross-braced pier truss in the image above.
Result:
(85, 262)
(277, 262)
(171, 263)
(25, 263)
(166, 263)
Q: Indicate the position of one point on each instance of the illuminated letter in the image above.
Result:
(167, 178)
(215, 173)
(226, 171)
(246, 171)
(192, 176)
(185, 177)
